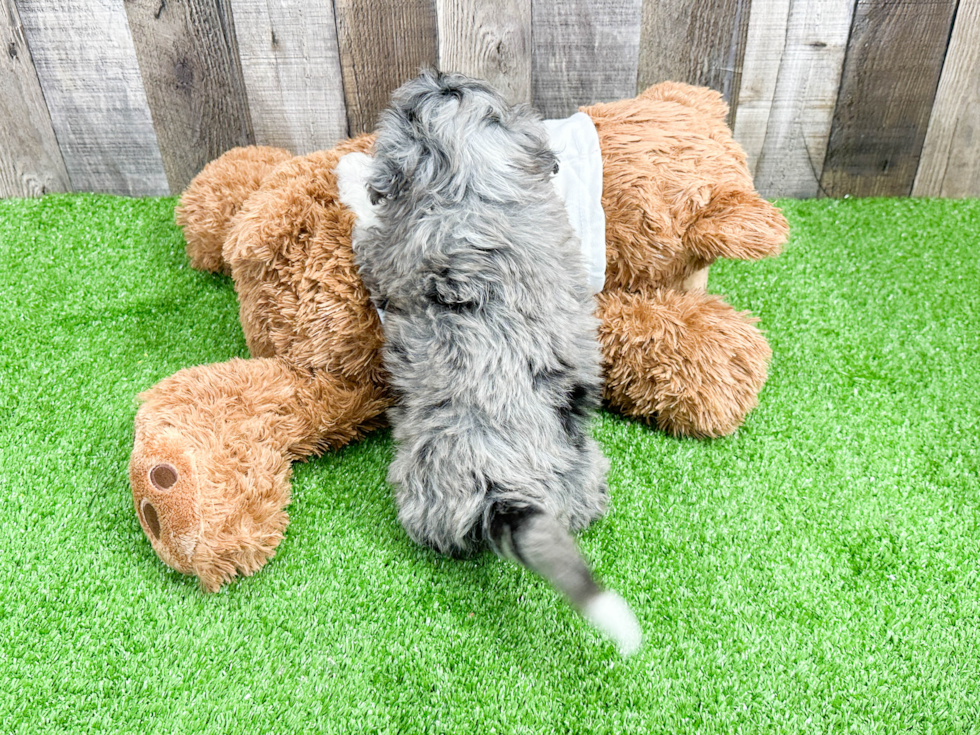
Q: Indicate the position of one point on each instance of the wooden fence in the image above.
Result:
(828, 97)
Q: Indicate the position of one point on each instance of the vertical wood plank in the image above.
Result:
(891, 71)
(383, 43)
(87, 68)
(189, 63)
(30, 161)
(790, 79)
(695, 41)
(291, 63)
(490, 41)
(950, 164)
(765, 44)
(585, 51)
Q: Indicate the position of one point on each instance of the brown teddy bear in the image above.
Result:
(214, 444)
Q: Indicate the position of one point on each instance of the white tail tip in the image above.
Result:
(609, 613)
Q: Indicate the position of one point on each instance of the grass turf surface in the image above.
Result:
(815, 572)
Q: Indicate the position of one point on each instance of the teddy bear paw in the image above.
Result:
(166, 502)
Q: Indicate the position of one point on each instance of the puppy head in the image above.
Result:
(445, 133)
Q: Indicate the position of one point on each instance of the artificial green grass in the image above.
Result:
(815, 572)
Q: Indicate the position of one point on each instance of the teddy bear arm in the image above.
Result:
(210, 203)
(736, 223)
(685, 360)
(212, 457)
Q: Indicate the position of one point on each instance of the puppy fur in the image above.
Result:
(490, 337)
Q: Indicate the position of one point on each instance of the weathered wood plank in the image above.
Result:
(695, 41)
(950, 164)
(488, 40)
(585, 51)
(765, 44)
(189, 62)
(30, 161)
(383, 43)
(87, 68)
(891, 71)
(291, 63)
(790, 79)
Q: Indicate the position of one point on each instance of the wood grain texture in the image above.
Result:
(383, 43)
(891, 71)
(488, 40)
(87, 68)
(765, 45)
(291, 64)
(30, 161)
(585, 51)
(790, 79)
(695, 41)
(950, 163)
(189, 63)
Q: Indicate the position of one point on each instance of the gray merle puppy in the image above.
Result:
(490, 337)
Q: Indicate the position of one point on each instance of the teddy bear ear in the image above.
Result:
(706, 101)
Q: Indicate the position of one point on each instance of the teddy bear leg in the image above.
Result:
(213, 198)
(685, 360)
(212, 458)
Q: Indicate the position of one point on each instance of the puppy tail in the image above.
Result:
(531, 537)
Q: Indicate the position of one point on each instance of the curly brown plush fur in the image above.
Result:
(210, 465)
(677, 196)
(206, 212)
